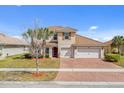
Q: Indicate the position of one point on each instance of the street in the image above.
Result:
(60, 84)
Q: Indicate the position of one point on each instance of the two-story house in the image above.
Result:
(67, 44)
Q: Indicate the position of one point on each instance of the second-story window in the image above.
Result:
(55, 36)
(66, 35)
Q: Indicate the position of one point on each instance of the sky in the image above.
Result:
(98, 22)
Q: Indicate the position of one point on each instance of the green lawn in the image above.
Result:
(27, 76)
(18, 61)
(121, 62)
(122, 59)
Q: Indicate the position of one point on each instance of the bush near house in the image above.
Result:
(112, 57)
(46, 56)
(40, 56)
(0, 54)
(29, 56)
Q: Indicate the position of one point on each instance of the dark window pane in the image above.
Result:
(66, 35)
(47, 50)
(55, 37)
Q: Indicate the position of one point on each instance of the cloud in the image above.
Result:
(19, 37)
(92, 28)
(96, 38)
(108, 38)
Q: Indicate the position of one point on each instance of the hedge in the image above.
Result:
(112, 57)
(29, 56)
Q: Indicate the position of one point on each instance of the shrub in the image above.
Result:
(122, 53)
(28, 55)
(47, 56)
(114, 50)
(39, 56)
(0, 54)
(112, 57)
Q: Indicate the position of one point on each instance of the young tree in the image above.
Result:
(117, 41)
(45, 34)
(32, 36)
(37, 38)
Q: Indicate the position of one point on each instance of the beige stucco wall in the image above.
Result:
(50, 52)
(102, 53)
(67, 43)
(12, 50)
(62, 43)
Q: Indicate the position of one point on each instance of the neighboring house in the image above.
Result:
(67, 44)
(110, 49)
(11, 46)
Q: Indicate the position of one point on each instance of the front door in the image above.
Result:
(55, 52)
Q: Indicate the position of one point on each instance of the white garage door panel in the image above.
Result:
(65, 52)
(87, 53)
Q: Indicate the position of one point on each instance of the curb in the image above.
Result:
(63, 82)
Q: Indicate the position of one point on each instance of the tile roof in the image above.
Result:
(85, 41)
(61, 29)
(7, 40)
(108, 42)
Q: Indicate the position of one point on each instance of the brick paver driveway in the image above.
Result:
(89, 76)
(85, 63)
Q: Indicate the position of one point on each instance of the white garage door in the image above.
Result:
(65, 52)
(87, 53)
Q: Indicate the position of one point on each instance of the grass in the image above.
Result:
(18, 61)
(27, 76)
(121, 62)
(122, 59)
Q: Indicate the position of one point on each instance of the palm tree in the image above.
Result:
(37, 38)
(29, 37)
(32, 36)
(45, 34)
(117, 41)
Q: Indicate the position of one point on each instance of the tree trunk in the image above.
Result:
(43, 51)
(37, 65)
(44, 43)
(118, 49)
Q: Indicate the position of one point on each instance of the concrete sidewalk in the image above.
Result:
(65, 69)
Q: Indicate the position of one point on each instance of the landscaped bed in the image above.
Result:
(120, 62)
(27, 76)
(18, 61)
